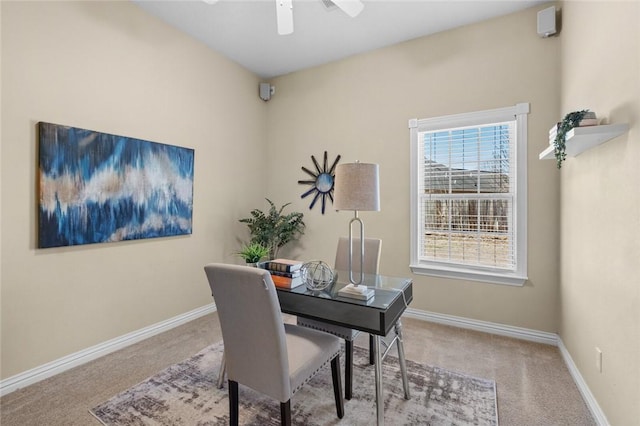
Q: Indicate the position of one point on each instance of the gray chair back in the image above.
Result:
(252, 328)
(372, 252)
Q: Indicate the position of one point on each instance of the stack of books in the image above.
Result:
(285, 273)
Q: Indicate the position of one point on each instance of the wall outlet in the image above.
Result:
(599, 359)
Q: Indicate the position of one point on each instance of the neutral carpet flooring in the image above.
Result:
(533, 384)
(185, 394)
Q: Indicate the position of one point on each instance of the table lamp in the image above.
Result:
(357, 188)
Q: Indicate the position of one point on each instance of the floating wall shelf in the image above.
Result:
(580, 139)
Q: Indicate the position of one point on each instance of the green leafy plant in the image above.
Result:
(253, 252)
(569, 121)
(274, 229)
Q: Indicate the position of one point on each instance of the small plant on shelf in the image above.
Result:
(569, 121)
(253, 252)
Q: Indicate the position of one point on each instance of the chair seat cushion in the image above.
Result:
(308, 351)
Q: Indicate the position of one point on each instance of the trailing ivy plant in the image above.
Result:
(274, 229)
(569, 121)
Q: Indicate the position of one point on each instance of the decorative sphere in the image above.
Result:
(317, 275)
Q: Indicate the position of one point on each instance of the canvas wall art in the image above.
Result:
(97, 187)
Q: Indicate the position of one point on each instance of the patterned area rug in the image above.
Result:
(185, 394)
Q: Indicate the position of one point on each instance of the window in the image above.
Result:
(468, 195)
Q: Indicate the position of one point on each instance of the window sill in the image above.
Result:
(511, 279)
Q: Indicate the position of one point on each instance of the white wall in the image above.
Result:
(110, 67)
(600, 210)
(360, 107)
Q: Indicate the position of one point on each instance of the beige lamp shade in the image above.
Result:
(357, 187)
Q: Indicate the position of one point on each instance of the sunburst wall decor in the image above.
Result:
(322, 182)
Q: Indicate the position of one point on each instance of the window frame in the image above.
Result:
(516, 277)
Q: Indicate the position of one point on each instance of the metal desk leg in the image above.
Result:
(223, 370)
(403, 364)
(379, 398)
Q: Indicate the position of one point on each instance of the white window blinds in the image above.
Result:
(467, 199)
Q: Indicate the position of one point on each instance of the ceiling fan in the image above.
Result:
(284, 11)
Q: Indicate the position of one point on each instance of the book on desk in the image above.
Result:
(286, 282)
(285, 273)
(359, 292)
(283, 265)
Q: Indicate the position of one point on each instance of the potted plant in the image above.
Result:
(252, 253)
(274, 229)
(569, 121)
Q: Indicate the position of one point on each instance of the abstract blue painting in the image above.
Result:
(97, 187)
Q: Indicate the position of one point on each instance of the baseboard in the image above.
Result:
(587, 396)
(42, 372)
(485, 326)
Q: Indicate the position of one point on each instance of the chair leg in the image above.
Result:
(285, 413)
(233, 403)
(337, 386)
(348, 368)
(372, 350)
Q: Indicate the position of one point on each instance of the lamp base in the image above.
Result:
(360, 292)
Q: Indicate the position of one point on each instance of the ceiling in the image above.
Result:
(245, 31)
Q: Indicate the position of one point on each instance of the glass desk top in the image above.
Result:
(376, 315)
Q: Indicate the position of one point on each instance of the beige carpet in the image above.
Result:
(185, 394)
(533, 384)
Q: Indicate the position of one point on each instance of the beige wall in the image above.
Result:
(113, 68)
(600, 209)
(359, 108)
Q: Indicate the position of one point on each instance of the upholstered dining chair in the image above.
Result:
(261, 351)
(371, 265)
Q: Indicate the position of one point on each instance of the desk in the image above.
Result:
(377, 316)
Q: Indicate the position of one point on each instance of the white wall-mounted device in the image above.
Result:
(547, 22)
(266, 91)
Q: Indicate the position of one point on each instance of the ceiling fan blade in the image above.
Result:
(350, 7)
(284, 14)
